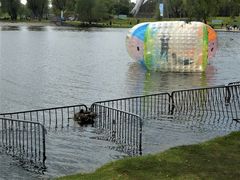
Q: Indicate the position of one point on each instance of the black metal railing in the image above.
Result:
(234, 100)
(219, 101)
(205, 121)
(144, 106)
(24, 140)
(49, 117)
(199, 100)
(234, 83)
(23, 134)
(122, 128)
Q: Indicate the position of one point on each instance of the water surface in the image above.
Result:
(49, 66)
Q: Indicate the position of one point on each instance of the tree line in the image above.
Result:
(94, 10)
(201, 9)
(84, 10)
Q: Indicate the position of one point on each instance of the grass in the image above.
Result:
(215, 159)
(225, 20)
(131, 21)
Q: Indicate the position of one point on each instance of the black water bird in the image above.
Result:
(85, 117)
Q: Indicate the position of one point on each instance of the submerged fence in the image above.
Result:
(57, 117)
(221, 101)
(23, 140)
(143, 106)
(122, 127)
(218, 100)
(22, 134)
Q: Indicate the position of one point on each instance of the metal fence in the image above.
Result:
(49, 117)
(23, 134)
(234, 83)
(219, 101)
(24, 140)
(144, 106)
(234, 100)
(122, 128)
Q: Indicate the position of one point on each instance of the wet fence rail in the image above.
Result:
(24, 140)
(122, 127)
(144, 106)
(234, 83)
(23, 133)
(58, 117)
(221, 101)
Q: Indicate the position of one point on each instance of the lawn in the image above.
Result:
(215, 159)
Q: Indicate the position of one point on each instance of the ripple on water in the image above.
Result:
(77, 150)
(73, 66)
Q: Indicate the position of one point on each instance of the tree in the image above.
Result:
(64, 7)
(176, 8)
(84, 9)
(201, 9)
(234, 7)
(23, 12)
(11, 7)
(100, 10)
(122, 7)
(71, 5)
(60, 5)
(38, 7)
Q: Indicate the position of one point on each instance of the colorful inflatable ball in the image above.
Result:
(172, 46)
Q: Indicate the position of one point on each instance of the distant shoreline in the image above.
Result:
(69, 25)
(65, 24)
(225, 30)
(30, 23)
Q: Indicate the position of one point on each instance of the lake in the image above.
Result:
(51, 66)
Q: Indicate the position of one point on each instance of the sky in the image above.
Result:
(23, 1)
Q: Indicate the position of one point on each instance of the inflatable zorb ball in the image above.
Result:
(172, 46)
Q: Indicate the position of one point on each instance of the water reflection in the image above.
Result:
(54, 66)
(145, 82)
(36, 28)
(9, 28)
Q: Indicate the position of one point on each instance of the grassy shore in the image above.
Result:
(215, 159)
(130, 22)
(120, 23)
(26, 23)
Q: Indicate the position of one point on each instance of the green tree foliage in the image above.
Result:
(229, 7)
(24, 12)
(100, 10)
(175, 8)
(67, 6)
(60, 4)
(94, 10)
(11, 7)
(71, 5)
(198, 9)
(38, 7)
(122, 7)
(201, 9)
(84, 10)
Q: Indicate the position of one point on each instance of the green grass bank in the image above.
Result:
(130, 22)
(215, 159)
(124, 23)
